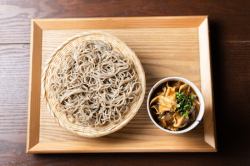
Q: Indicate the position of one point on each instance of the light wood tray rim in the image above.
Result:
(37, 27)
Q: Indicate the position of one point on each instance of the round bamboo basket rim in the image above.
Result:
(93, 132)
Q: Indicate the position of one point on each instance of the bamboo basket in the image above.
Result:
(98, 131)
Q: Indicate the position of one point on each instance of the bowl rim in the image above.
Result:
(196, 90)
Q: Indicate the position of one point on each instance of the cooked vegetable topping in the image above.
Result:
(175, 106)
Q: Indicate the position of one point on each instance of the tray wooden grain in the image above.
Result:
(166, 46)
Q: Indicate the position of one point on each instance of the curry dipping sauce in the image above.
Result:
(174, 105)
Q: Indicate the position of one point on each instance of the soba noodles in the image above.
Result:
(94, 84)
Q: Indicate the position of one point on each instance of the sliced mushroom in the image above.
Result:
(166, 120)
(163, 121)
(177, 85)
(185, 89)
(169, 118)
(156, 108)
(180, 121)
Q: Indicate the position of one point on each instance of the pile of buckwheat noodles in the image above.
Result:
(94, 84)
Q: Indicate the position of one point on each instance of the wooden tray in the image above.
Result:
(166, 46)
